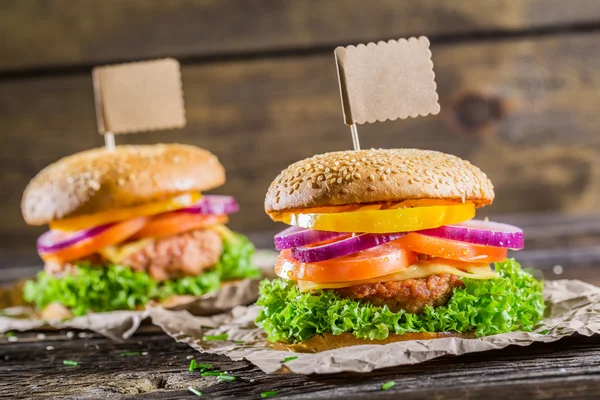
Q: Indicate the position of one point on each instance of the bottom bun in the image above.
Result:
(327, 341)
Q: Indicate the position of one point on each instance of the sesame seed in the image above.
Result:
(371, 177)
(345, 191)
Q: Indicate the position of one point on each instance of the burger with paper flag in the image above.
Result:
(383, 247)
(129, 226)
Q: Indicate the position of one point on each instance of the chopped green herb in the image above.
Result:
(192, 365)
(545, 331)
(270, 393)
(10, 334)
(71, 363)
(202, 367)
(226, 378)
(238, 341)
(211, 373)
(289, 358)
(195, 391)
(388, 385)
(130, 354)
(222, 336)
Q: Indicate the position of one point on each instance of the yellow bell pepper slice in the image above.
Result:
(121, 214)
(383, 221)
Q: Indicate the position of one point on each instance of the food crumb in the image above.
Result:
(49, 348)
(70, 335)
(41, 336)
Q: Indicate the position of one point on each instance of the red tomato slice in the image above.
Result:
(174, 223)
(371, 263)
(113, 235)
(451, 249)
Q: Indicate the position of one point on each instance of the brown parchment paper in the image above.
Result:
(573, 307)
(386, 81)
(118, 325)
(139, 96)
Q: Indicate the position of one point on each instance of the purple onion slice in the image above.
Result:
(213, 204)
(296, 237)
(53, 240)
(485, 233)
(344, 247)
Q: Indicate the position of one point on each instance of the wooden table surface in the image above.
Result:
(31, 366)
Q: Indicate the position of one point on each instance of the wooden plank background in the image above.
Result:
(518, 82)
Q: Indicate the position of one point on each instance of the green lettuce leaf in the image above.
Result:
(116, 287)
(513, 301)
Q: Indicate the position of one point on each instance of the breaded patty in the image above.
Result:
(411, 295)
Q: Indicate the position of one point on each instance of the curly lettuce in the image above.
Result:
(513, 301)
(115, 287)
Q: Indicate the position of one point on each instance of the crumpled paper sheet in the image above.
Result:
(119, 325)
(573, 307)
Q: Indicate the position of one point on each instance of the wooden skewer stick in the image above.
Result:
(109, 141)
(355, 141)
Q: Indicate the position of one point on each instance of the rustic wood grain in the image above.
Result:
(525, 111)
(569, 368)
(53, 33)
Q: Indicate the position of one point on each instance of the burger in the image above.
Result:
(383, 247)
(131, 226)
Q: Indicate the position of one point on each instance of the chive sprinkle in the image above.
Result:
(10, 334)
(211, 373)
(238, 341)
(222, 336)
(71, 363)
(270, 393)
(226, 378)
(130, 354)
(204, 366)
(289, 358)
(195, 391)
(388, 385)
(192, 365)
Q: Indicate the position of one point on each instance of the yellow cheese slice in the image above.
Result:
(117, 253)
(419, 270)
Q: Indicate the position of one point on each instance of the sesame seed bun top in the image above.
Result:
(97, 180)
(377, 175)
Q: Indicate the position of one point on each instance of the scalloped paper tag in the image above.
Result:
(387, 80)
(139, 96)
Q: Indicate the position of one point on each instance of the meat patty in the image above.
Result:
(171, 257)
(411, 295)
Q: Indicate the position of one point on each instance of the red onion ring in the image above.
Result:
(343, 247)
(52, 240)
(213, 204)
(485, 233)
(295, 237)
